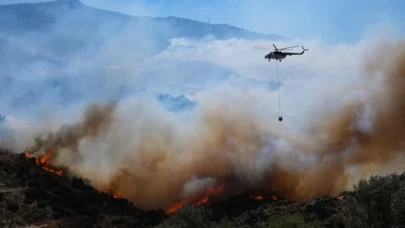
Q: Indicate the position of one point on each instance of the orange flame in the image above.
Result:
(258, 197)
(203, 201)
(117, 195)
(43, 162)
(114, 194)
(177, 207)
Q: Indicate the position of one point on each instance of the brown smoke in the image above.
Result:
(156, 163)
(96, 119)
(346, 142)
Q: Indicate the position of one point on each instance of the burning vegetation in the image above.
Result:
(202, 201)
(34, 193)
(49, 198)
(212, 195)
(45, 162)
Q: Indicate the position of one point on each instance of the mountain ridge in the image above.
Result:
(48, 8)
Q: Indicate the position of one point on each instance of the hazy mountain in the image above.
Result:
(58, 30)
(64, 27)
(47, 48)
(21, 18)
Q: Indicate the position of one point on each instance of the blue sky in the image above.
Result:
(341, 21)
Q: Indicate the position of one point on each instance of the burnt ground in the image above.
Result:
(30, 195)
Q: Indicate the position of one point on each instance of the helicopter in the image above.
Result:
(279, 55)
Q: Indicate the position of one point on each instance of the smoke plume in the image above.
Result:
(95, 120)
(157, 160)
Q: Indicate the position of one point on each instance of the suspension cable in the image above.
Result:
(278, 85)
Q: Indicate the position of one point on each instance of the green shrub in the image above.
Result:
(376, 202)
(398, 206)
(288, 221)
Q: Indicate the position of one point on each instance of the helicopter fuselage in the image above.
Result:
(278, 55)
(275, 55)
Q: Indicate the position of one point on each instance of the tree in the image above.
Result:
(371, 204)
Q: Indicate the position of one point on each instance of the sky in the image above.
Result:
(328, 21)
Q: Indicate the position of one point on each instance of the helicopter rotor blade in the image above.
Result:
(261, 48)
(288, 47)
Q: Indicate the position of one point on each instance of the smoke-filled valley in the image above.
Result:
(163, 117)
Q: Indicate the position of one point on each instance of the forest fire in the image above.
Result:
(203, 201)
(116, 195)
(210, 193)
(258, 197)
(43, 162)
(218, 191)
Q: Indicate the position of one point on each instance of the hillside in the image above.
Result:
(33, 193)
